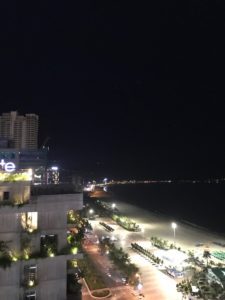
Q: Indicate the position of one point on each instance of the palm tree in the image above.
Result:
(3, 247)
(183, 288)
(206, 255)
(5, 260)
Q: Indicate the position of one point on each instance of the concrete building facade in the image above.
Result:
(38, 226)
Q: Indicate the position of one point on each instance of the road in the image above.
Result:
(112, 276)
(156, 285)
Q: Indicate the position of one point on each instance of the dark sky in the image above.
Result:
(124, 90)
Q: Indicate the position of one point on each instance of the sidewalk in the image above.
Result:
(110, 273)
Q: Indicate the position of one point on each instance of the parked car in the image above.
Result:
(125, 280)
(174, 273)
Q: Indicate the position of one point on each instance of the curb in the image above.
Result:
(94, 297)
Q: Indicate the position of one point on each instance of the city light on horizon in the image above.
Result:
(112, 151)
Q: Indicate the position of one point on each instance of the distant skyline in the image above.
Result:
(123, 91)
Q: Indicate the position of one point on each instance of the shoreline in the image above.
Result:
(159, 225)
(155, 223)
(189, 210)
(170, 218)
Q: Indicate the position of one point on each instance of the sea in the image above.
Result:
(199, 204)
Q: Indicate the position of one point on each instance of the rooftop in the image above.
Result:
(220, 273)
(12, 177)
(53, 189)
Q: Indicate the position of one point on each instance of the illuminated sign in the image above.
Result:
(54, 168)
(8, 167)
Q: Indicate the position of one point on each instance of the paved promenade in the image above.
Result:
(158, 225)
(156, 284)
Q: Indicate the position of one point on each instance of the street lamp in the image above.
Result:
(113, 205)
(139, 286)
(174, 226)
(137, 275)
(91, 211)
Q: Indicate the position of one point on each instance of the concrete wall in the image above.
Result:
(9, 220)
(55, 289)
(10, 227)
(10, 276)
(52, 214)
(51, 279)
(10, 293)
(19, 191)
(60, 202)
(51, 272)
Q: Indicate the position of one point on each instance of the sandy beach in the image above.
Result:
(187, 236)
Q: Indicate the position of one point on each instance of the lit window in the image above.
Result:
(29, 221)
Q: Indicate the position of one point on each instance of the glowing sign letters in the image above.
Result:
(8, 167)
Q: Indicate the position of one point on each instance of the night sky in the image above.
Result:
(123, 90)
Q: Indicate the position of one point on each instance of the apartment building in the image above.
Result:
(20, 131)
(33, 233)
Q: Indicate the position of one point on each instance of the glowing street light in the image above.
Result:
(113, 205)
(174, 226)
(140, 286)
(90, 214)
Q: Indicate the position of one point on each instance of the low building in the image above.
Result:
(33, 229)
(172, 258)
(217, 275)
(24, 159)
(53, 175)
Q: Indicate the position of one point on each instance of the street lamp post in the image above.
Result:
(91, 211)
(174, 226)
(139, 285)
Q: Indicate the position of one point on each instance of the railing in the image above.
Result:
(6, 203)
(30, 283)
(12, 203)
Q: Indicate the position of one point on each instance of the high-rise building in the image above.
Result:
(31, 131)
(20, 131)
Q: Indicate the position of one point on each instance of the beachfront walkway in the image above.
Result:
(187, 237)
(156, 284)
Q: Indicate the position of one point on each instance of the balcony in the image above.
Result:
(30, 295)
(31, 283)
(30, 276)
(12, 203)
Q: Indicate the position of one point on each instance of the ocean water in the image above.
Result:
(202, 204)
